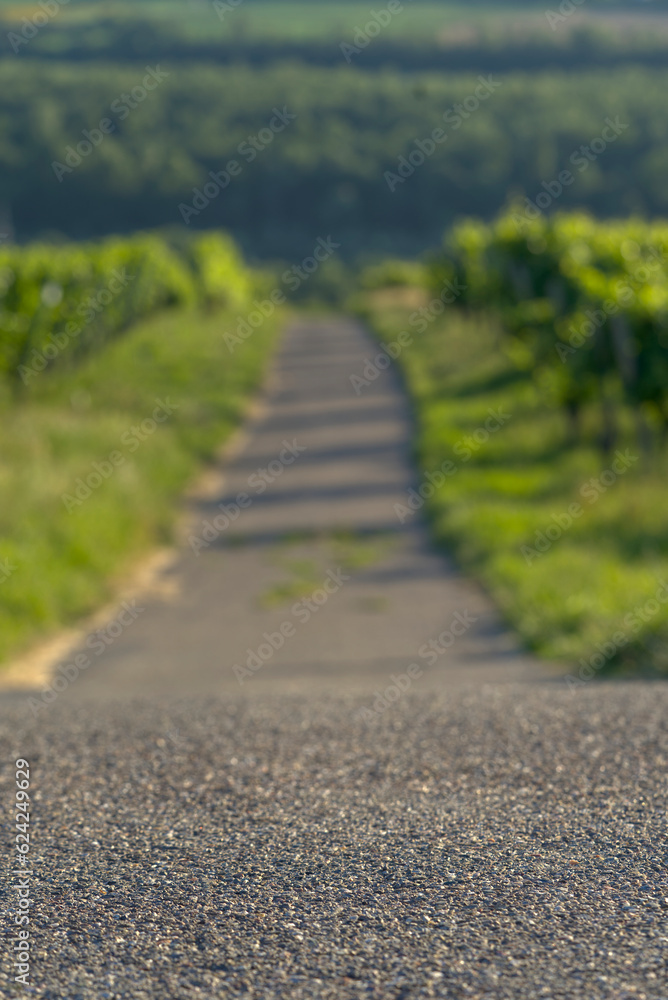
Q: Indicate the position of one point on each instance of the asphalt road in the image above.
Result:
(336, 822)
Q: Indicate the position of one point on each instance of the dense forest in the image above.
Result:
(331, 169)
(175, 125)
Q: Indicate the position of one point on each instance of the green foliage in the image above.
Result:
(66, 554)
(59, 303)
(567, 591)
(62, 308)
(583, 303)
(393, 273)
(220, 276)
(324, 173)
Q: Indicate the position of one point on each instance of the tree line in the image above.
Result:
(89, 150)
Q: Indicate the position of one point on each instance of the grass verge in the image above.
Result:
(93, 463)
(579, 583)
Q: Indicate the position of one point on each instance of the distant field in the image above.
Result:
(299, 20)
(280, 20)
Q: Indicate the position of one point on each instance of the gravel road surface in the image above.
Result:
(362, 815)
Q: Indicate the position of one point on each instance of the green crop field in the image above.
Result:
(116, 384)
(541, 390)
(64, 545)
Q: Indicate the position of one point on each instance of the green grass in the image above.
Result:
(581, 591)
(67, 562)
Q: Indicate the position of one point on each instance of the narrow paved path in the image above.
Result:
(307, 506)
(213, 817)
